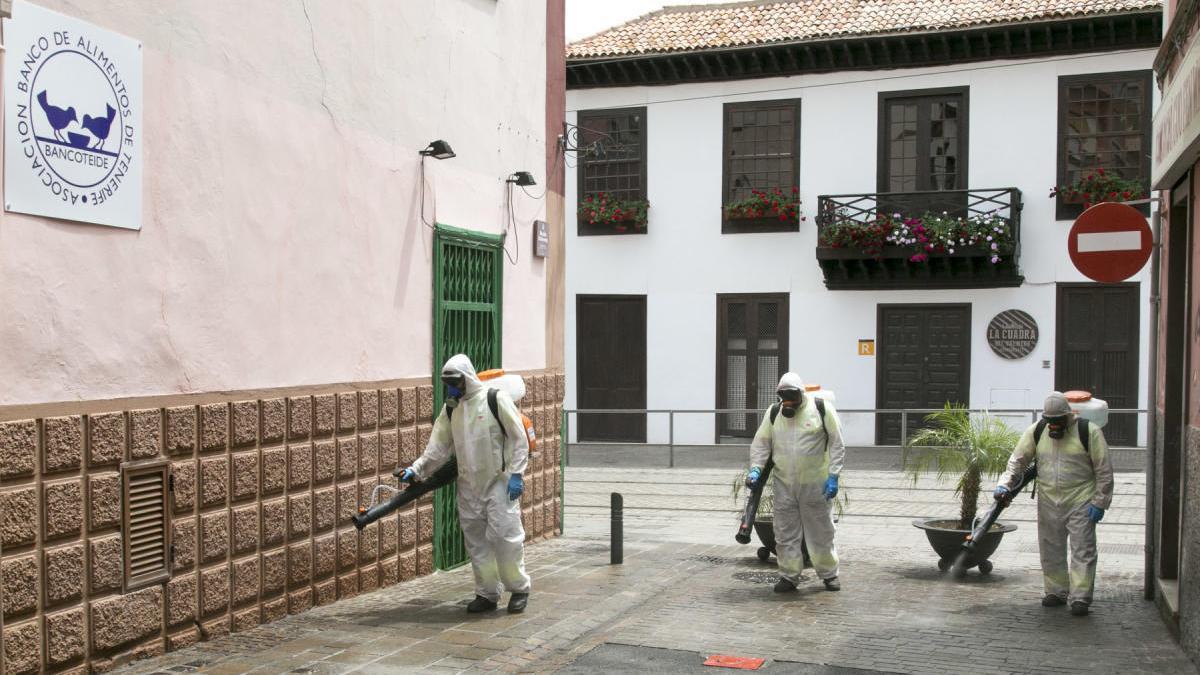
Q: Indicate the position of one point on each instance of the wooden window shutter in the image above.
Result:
(145, 527)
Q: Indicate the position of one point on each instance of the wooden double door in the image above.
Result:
(923, 361)
(752, 354)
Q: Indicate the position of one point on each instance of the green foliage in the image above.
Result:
(960, 445)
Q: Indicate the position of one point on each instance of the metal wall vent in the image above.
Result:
(146, 531)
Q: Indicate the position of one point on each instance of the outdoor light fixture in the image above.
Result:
(522, 179)
(438, 150)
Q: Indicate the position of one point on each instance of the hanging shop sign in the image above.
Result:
(1012, 334)
(541, 238)
(73, 119)
(1177, 123)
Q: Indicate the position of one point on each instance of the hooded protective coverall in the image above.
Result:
(487, 456)
(804, 460)
(1069, 478)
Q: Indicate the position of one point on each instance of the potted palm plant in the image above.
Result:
(970, 448)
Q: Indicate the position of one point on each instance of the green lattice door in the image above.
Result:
(467, 296)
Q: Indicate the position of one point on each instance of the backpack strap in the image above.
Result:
(495, 408)
(821, 411)
(1037, 432)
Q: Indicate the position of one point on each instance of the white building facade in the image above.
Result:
(697, 309)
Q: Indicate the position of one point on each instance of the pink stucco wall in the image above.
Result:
(281, 244)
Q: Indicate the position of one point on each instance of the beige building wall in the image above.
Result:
(283, 242)
(266, 336)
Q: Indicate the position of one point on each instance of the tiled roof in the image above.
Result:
(697, 27)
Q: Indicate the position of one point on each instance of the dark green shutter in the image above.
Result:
(467, 298)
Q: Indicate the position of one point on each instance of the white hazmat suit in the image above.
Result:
(805, 457)
(487, 456)
(1069, 479)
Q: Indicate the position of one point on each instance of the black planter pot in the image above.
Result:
(765, 529)
(947, 540)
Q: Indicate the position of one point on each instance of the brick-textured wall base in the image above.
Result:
(259, 516)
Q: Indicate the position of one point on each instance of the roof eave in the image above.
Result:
(864, 36)
(1108, 32)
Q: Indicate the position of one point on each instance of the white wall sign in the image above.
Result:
(541, 238)
(73, 119)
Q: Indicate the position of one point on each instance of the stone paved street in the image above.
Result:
(685, 586)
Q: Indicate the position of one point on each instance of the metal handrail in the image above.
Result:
(1034, 413)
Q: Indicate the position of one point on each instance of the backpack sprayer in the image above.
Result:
(1090, 411)
(514, 386)
(755, 497)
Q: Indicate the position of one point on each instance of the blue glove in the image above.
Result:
(1001, 493)
(752, 477)
(408, 475)
(516, 485)
(831, 487)
(1095, 513)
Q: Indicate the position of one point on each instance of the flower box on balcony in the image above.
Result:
(973, 242)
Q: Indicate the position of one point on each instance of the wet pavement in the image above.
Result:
(686, 591)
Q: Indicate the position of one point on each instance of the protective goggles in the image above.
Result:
(790, 395)
(455, 384)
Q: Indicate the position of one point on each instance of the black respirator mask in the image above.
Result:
(789, 401)
(455, 388)
(1056, 426)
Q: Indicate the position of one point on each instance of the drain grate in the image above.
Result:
(715, 559)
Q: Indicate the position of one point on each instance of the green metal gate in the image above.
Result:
(467, 298)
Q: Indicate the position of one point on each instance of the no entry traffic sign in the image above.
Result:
(1110, 242)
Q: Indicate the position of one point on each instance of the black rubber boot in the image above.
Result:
(833, 584)
(480, 604)
(1053, 601)
(1079, 609)
(516, 604)
(784, 586)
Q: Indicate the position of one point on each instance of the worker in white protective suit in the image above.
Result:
(1074, 487)
(491, 461)
(807, 450)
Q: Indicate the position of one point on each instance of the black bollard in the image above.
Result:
(616, 528)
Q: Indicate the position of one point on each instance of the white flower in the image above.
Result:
(995, 259)
(994, 246)
(951, 251)
(989, 237)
